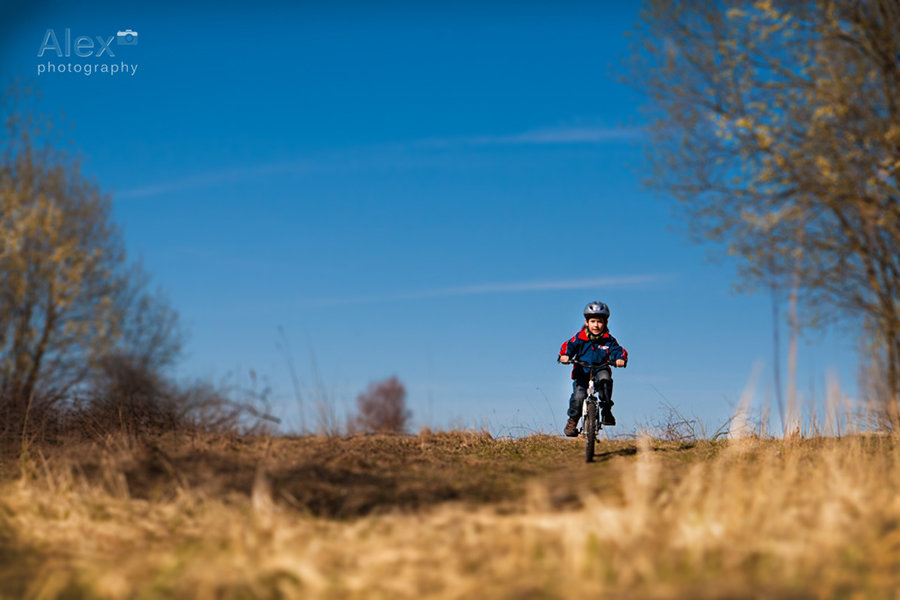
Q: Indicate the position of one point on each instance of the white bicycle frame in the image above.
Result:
(584, 405)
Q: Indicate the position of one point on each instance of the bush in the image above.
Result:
(381, 409)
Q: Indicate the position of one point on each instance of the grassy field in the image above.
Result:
(451, 515)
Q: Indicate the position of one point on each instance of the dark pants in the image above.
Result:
(602, 382)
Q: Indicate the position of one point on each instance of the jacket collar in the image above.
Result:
(583, 335)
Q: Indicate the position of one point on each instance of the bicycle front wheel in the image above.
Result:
(590, 431)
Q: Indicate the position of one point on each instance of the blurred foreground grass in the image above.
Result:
(451, 515)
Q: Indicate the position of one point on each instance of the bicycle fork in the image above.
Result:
(591, 397)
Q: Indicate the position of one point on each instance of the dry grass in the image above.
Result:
(453, 515)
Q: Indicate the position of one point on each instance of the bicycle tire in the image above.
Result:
(590, 431)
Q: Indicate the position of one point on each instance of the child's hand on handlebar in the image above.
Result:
(620, 363)
(563, 358)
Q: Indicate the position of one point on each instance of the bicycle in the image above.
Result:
(590, 410)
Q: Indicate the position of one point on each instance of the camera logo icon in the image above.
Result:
(129, 37)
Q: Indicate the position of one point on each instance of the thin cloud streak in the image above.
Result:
(536, 137)
(625, 281)
(555, 136)
(566, 135)
(215, 178)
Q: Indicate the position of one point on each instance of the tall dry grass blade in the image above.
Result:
(261, 494)
(741, 425)
(833, 411)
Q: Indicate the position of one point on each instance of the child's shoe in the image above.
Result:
(571, 429)
(606, 416)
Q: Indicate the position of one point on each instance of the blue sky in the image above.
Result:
(431, 192)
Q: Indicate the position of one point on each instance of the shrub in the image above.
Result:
(381, 409)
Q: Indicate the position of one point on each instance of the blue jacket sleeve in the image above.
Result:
(616, 351)
(570, 347)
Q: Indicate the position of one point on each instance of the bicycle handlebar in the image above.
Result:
(580, 363)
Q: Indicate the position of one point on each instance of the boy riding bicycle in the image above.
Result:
(592, 345)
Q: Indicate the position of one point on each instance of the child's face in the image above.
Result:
(595, 325)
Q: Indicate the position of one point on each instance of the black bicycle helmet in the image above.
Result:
(596, 310)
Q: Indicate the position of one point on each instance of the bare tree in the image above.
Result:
(777, 126)
(68, 300)
(382, 408)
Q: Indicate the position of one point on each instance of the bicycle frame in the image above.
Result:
(590, 398)
(590, 408)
